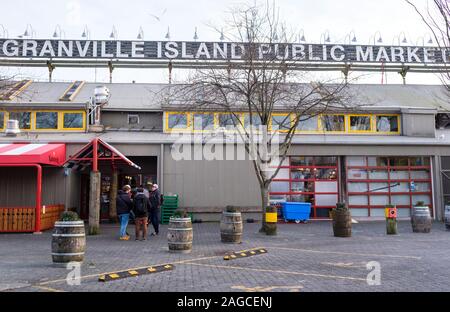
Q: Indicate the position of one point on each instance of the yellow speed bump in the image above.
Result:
(244, 253)
(134, 272)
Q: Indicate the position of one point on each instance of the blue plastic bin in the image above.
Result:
(294, 211)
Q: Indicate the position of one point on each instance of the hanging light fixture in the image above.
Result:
(86, 33)
(222, 37)
(168, 33)
(140, 35)
(113, 34)
(195, 34)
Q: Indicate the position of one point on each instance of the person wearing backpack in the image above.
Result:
(155, 204)
(141, 206)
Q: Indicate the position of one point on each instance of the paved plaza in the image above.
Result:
(301, 258)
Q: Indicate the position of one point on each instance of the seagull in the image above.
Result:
(158, 18)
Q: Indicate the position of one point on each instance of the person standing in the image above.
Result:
(155, 204)
(123, 207)
(140, 209)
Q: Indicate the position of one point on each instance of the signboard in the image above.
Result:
(219, 51)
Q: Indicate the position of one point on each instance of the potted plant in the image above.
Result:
(68, 239)
(421, 218)
(180, 234)
(342, 220)
(231, 225)
(271, 220)
(391, 219)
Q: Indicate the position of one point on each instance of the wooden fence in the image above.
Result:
(22, 219)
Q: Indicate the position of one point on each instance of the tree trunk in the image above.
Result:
(264, 203)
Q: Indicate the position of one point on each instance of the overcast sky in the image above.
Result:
(315, 17)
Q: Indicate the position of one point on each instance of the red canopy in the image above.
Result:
(26, 153)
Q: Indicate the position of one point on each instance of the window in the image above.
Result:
(177, 120)
(333, 122)
(256, 120)
(47, 120)
(2, 120)
(228, 121)
(281, 122)
(307, 123)
(73, 120)
(24, 119)
(203, 121)
(133, 119)
(360, 123)
(387, 123)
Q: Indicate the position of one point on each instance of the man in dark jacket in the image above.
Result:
(124, 206)
(141, 205)
(155, 204)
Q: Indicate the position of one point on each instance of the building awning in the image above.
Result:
(44, 154)
(105, 152)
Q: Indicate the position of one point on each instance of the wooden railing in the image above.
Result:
(22, 219)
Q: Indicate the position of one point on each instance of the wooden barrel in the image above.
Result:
(68, 241)
(180, 235)
(447, 217)
(342, 223)
(231, 227)
(421, 219)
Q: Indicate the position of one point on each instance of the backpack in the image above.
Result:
(140, 205)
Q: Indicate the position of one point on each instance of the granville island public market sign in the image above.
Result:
(216, 51)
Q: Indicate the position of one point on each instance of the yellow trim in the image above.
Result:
(24, 111)
(280, 114)
(3, 125)
(310, 131)
(240, 115)
(45, 129)
(388, 132)
(203, 113)
(348, 117)
(322, 129)
(185, 129)
(61, 126)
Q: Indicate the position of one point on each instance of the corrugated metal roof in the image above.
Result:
(150, 97)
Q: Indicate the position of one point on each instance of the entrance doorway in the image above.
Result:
(126, 175)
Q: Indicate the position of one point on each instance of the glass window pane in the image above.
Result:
(46, 120)
(24, 119)
(357, 173)
(326, 200)
(328, 174)
(301, 173)
(323, 212)
(360, 123)
(399, 187)
(278, 198)
(403, 212)
(177, 121)
(398, 161)
(421, 187)
(355, 200)
(281, 122)
(378, 174)
(399, 174)
(73, 120)
(424, 198)
(256, 120)
(378, 187)
(377, 161)
(326, 161)
(306, 198)
(360, 212)
(302, 186)
(387, 123)
(333, 122)
(420, 174)
(283, 173)
(377, 212)
(307, 123)
(301, 161)
(278, 186)
(400, 200)
(357, 187)
(356, 160)
(2, 120)
(379, 200)
(419, 161)
(203, 121)
(228, 121)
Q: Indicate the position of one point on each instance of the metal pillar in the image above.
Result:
(111, 68)
(403, 73)
(50, 67)
(94, 192)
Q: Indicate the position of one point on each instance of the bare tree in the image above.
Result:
(265, 81)
(437, 18)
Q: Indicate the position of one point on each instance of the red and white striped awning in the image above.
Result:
(30, 153)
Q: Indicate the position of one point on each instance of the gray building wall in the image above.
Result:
(418, 122)
(147, 120)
